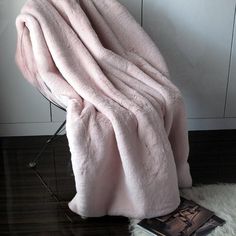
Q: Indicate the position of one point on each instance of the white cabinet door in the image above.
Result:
(231, 96)
(19, 101)
(57, 114)
(194, 37)
(134, 7)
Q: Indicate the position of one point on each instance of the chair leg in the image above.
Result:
(52, 194)
(33, 164)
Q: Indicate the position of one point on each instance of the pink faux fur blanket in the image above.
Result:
(125, 119)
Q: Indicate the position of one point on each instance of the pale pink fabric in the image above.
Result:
(125, 119)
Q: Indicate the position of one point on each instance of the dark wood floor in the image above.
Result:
(212, 156)
(26, 208)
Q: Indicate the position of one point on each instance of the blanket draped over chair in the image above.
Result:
(126, 124)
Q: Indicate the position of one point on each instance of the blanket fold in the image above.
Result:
(126, 124)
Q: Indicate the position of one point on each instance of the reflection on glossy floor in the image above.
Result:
(26, 208)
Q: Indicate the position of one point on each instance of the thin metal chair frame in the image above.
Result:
(33, 164)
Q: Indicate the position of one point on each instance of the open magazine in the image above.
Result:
(188, 219)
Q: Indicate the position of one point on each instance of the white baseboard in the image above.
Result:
(36, 129)
(29, 129)
(212, 124)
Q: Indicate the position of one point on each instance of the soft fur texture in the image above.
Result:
(219, 198)
(125, 119)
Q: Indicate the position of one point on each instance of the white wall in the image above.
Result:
(195, 37)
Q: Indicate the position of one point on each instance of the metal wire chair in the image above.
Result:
(34, 163)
